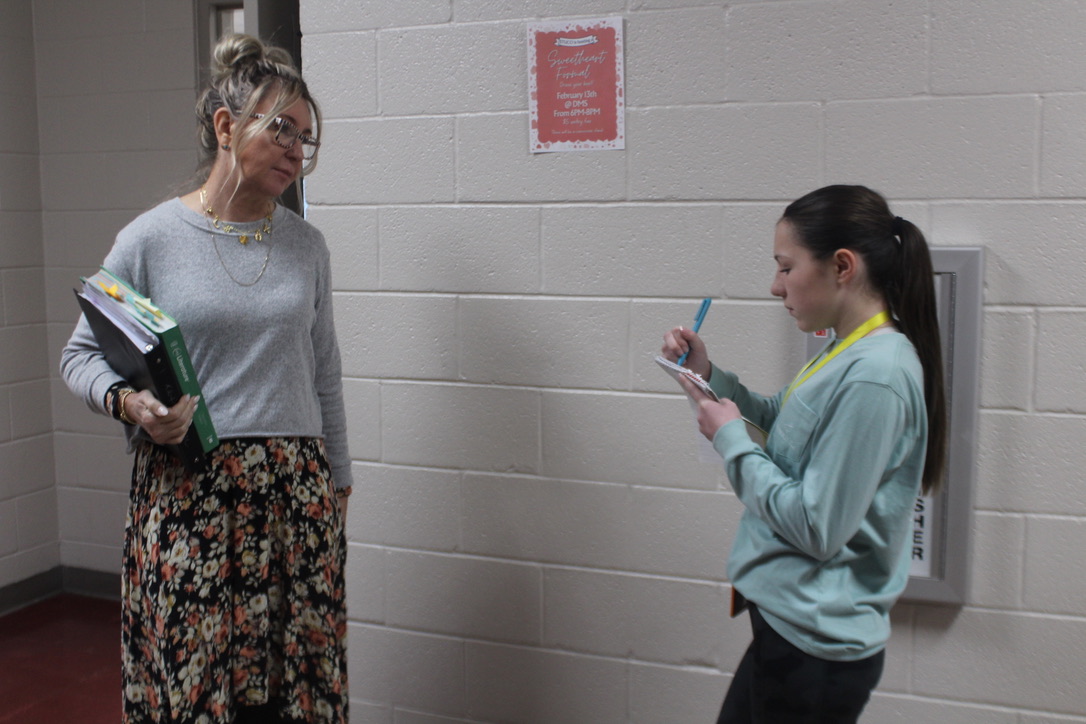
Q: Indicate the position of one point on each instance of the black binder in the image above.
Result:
(146, 365)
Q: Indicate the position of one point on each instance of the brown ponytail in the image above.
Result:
(899, 268)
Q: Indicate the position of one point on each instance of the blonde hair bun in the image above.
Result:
(244, 72)
(245, 55)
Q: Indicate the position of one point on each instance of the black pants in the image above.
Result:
(776, 683)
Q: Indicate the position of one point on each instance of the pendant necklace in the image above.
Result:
(218, 224)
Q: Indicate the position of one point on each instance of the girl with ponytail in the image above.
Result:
(822, 550)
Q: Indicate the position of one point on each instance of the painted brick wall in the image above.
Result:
(115, 91)
(29, 536)
(532, 536)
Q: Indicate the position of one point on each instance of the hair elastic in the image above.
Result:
(897, 227)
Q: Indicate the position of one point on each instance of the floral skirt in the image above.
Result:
(233, 588)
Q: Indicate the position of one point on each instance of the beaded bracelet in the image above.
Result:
(110, 399)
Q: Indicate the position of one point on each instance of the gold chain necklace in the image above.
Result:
(230, 228)
(218, 224)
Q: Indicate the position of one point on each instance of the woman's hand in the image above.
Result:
(680, 341)
(712, 415)
(166, 426)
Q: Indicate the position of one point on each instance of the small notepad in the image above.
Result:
(757, 434)
(677, 371)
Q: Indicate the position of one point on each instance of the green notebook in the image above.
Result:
(144, 345)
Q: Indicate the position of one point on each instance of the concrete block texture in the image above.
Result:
(936, 147)
(525, 342)
(20, 234)
(646, 618)
(5, 415)
(999, 549)
(362, 398)
(469, 81)
(731, 151)
(1041, 271)
(507, 683)
(406, 669)
(676, 57)
(397, 335)
(342, 74)
(982, 47)
(1029, 463)
(1007, 358)
(464, 248)
(30, 402)
(1051, 544)
(36, 519)
(365, 577)
(23, 292)
(544, 542)
(462, 596)
(632, 250)
(91, 516)
(614, 527)
(1063, 149)
(488, 10)
(406, 160)
(20, 183)
(351, 235)
(1034, 658)
(1060, 368)
(9, 534)
(533, 537)
(349, 15)
(97, 229)
(400, 507)
(472, 427)
(675, 693)
(602, 436)
(21, 461)
(826, 50)
(494, 165)
(19, 131)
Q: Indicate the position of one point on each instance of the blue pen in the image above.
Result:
(702, 311)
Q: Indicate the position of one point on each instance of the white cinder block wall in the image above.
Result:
(532, 538)
(115, 92)
(29, 538)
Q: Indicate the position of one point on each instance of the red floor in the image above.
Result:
(60, 662)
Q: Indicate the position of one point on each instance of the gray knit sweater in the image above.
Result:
(266, 355)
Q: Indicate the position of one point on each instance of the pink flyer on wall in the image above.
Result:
(575, 83)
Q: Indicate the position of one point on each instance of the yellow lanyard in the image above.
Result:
(810, 368)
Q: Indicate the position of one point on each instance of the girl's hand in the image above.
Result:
(680, 341)
(712, 415)
(166, 426)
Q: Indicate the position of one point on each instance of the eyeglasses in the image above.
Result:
(287, 134)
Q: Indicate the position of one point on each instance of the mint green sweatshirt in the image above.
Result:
(822, 547)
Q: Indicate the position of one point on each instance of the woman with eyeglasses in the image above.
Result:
(822, 551)
(232, 588)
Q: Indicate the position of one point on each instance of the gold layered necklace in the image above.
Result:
(243, 237)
